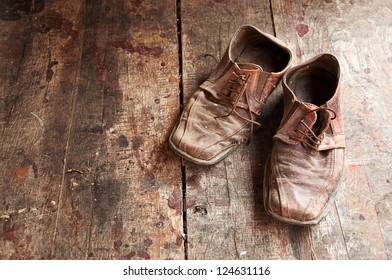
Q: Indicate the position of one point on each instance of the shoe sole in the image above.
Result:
(267, 171)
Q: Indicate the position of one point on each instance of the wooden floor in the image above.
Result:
(89, 93)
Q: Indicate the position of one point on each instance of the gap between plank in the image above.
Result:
(272, 18)
(181, 99)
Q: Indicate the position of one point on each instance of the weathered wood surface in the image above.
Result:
(36, 94)
(359, 34)
(89, 93)
(225, 218)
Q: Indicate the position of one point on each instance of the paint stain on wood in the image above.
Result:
(129, 256)
(27, 250)
(287, 5)
(284, 247)
(299, 53)
(140, 49)
(190, 204)
(179, 240)
(175, 202)
(135, 4)
(171, 228)
(56, 21)
(117, 244)
(109, 89)
(21, 173)
(136, 143)
(118, 227)
(144, 255)
(194, 182)
(101, 74)
(302, 29)
(353, 168)
(148, 242)
(9, 232)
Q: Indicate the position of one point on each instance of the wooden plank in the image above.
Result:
(112, 83)
(357, 32)
(225, 216)
(122, 198)
(326, 238)
(39, 64)
(358, 215)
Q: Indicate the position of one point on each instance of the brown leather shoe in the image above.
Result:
(222, 112)
(302, 175)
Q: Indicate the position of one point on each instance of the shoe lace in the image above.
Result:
(311, 140)
(231, 87)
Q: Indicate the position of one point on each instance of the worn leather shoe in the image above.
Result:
(302, 174)
(221, 114)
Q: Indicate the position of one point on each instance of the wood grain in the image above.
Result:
(40, 62)
(357, 33)
(84, 133)
(127, 204)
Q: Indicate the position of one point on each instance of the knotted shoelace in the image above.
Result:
(311, 140)
(240, 80)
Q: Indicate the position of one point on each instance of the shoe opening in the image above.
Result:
(315, 82)
(252, 46)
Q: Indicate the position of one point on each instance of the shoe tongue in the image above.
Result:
(309, 118)
(317, 121)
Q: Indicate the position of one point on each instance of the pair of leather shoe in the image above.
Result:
(306, 162)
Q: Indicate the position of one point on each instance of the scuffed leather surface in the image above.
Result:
(302, 181)
(203, 135)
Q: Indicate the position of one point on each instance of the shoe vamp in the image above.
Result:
(206, 131)
(305, 179)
